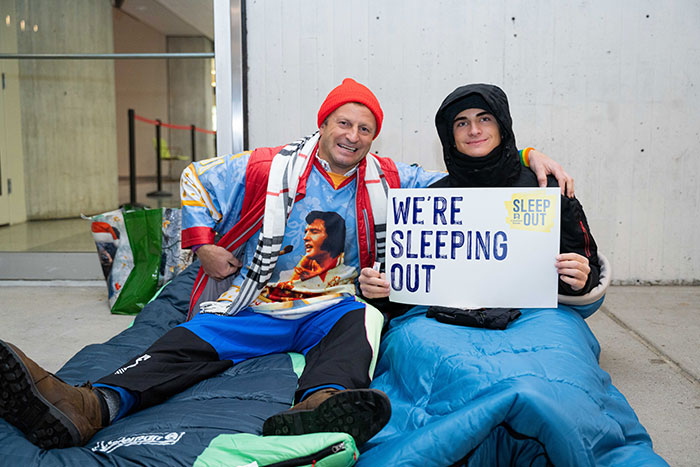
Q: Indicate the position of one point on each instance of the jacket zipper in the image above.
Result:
(311, 458)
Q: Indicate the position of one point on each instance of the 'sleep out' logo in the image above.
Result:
(533, 211)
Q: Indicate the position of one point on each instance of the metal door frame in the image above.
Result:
(230, 59)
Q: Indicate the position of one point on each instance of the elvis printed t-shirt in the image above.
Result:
(319, 259)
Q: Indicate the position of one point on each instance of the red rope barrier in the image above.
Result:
(177, 127)
(172, 125)
(144, 119)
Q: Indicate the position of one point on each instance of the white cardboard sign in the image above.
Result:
(473, 247)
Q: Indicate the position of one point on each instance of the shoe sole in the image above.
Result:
(22, 405)
(360, 413)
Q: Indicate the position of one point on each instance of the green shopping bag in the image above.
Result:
(143, 226)
(139, 251)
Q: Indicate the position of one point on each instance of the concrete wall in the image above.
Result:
(67, 109)
(190, 97)
(13, 207)
(141, 85)
(609, 89)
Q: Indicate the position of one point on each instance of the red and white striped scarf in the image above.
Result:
(289, 167)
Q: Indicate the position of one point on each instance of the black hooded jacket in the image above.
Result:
(502, 168)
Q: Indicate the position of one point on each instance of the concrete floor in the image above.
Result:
(649, 337)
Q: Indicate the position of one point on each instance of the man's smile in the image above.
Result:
(347, 148)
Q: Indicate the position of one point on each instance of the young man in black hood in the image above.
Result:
(478, 144)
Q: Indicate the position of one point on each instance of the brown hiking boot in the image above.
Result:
(358, 412)
(51, 413)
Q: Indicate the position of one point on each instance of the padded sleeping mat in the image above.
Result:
(178, 431)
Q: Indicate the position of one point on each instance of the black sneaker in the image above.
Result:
(358, 412)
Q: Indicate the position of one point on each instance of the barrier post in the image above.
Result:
(192, 138)
(159, 192)
(132, 159)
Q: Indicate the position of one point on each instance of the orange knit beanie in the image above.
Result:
(351, 91)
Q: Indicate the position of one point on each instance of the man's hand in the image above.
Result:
(542, 165)
(217, 261)
(373, 284)
(573, 269)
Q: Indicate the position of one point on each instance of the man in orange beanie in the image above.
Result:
(257, 202)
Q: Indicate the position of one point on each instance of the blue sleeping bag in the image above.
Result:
(533, 394)
(178, 431)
